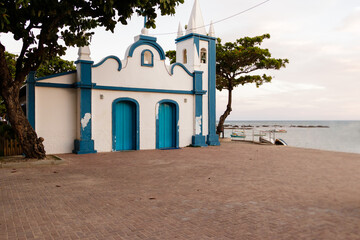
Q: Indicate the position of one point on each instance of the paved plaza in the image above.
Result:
(235, 191)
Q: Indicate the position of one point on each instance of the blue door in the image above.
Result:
(167, 125)
(125, 126)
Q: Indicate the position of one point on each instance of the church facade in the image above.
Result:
(131, 104)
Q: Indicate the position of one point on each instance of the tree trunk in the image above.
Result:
(220, 126)
(9, 90)
(32, 145)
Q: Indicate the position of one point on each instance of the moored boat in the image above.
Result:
(268, 140)
(238, 135)
(280, 141)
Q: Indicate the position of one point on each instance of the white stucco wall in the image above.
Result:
(55, 118)
(190, 48)
(66, 79)
(102, 117)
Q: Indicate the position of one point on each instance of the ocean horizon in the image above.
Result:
(332, 135)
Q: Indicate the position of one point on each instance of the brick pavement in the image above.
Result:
(236, 191)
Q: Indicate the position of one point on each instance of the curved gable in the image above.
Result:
(109, 57)
(146, 40)
(182, 66)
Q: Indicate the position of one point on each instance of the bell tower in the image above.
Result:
(196, 50)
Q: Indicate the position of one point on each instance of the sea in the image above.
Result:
(340, 136)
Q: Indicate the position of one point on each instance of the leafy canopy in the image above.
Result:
(235, 60)
(47, 27)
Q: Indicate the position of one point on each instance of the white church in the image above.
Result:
(134, 103)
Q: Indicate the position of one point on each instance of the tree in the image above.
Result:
(171, 54)
(53, 66)
(48, 67)
(46, 28)
(235, 61)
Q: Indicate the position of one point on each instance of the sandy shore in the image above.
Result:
(235, 191)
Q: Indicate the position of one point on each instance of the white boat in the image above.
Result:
(280, 141)
(268, 140)
(265, 139)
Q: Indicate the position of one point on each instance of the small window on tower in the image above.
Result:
(147, 58)
(203, 56)
(185, 56)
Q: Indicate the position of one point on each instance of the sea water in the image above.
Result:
(341, 136)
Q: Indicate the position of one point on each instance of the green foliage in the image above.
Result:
(171, 54)
(234, 63)
(235, 60)
(53, 66)
(11, 62)
(47, 27)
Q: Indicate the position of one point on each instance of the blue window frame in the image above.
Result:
(147, 58)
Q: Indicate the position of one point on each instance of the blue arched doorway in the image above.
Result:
(125, 124)
(167, 131)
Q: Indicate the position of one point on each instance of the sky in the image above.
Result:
(321, 39)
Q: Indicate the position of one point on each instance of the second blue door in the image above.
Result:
(125, 126)
(167, 126)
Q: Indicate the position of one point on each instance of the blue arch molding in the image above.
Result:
(150, 41)
(109, 57)
(142, 58)
(176, 118)
(137, 125)
(180, 65)
(212, 138)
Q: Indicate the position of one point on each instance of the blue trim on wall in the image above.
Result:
(109, 57)
(114, 123)
(143, 90)
(198, 140)
(197, 44)
(84, 61)
(142, 58)
(180, 65)
(146, 40)
(30, 98)
(55, 75)
(55, 85)
(212, 138)
(94, 86)
(176, 117)
(191, 35)
(85, 144)
(84, 85)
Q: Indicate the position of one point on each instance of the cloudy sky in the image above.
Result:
(321, 38)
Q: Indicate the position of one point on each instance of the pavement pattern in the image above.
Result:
(235, 191)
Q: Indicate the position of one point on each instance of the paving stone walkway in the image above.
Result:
(235, 191)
